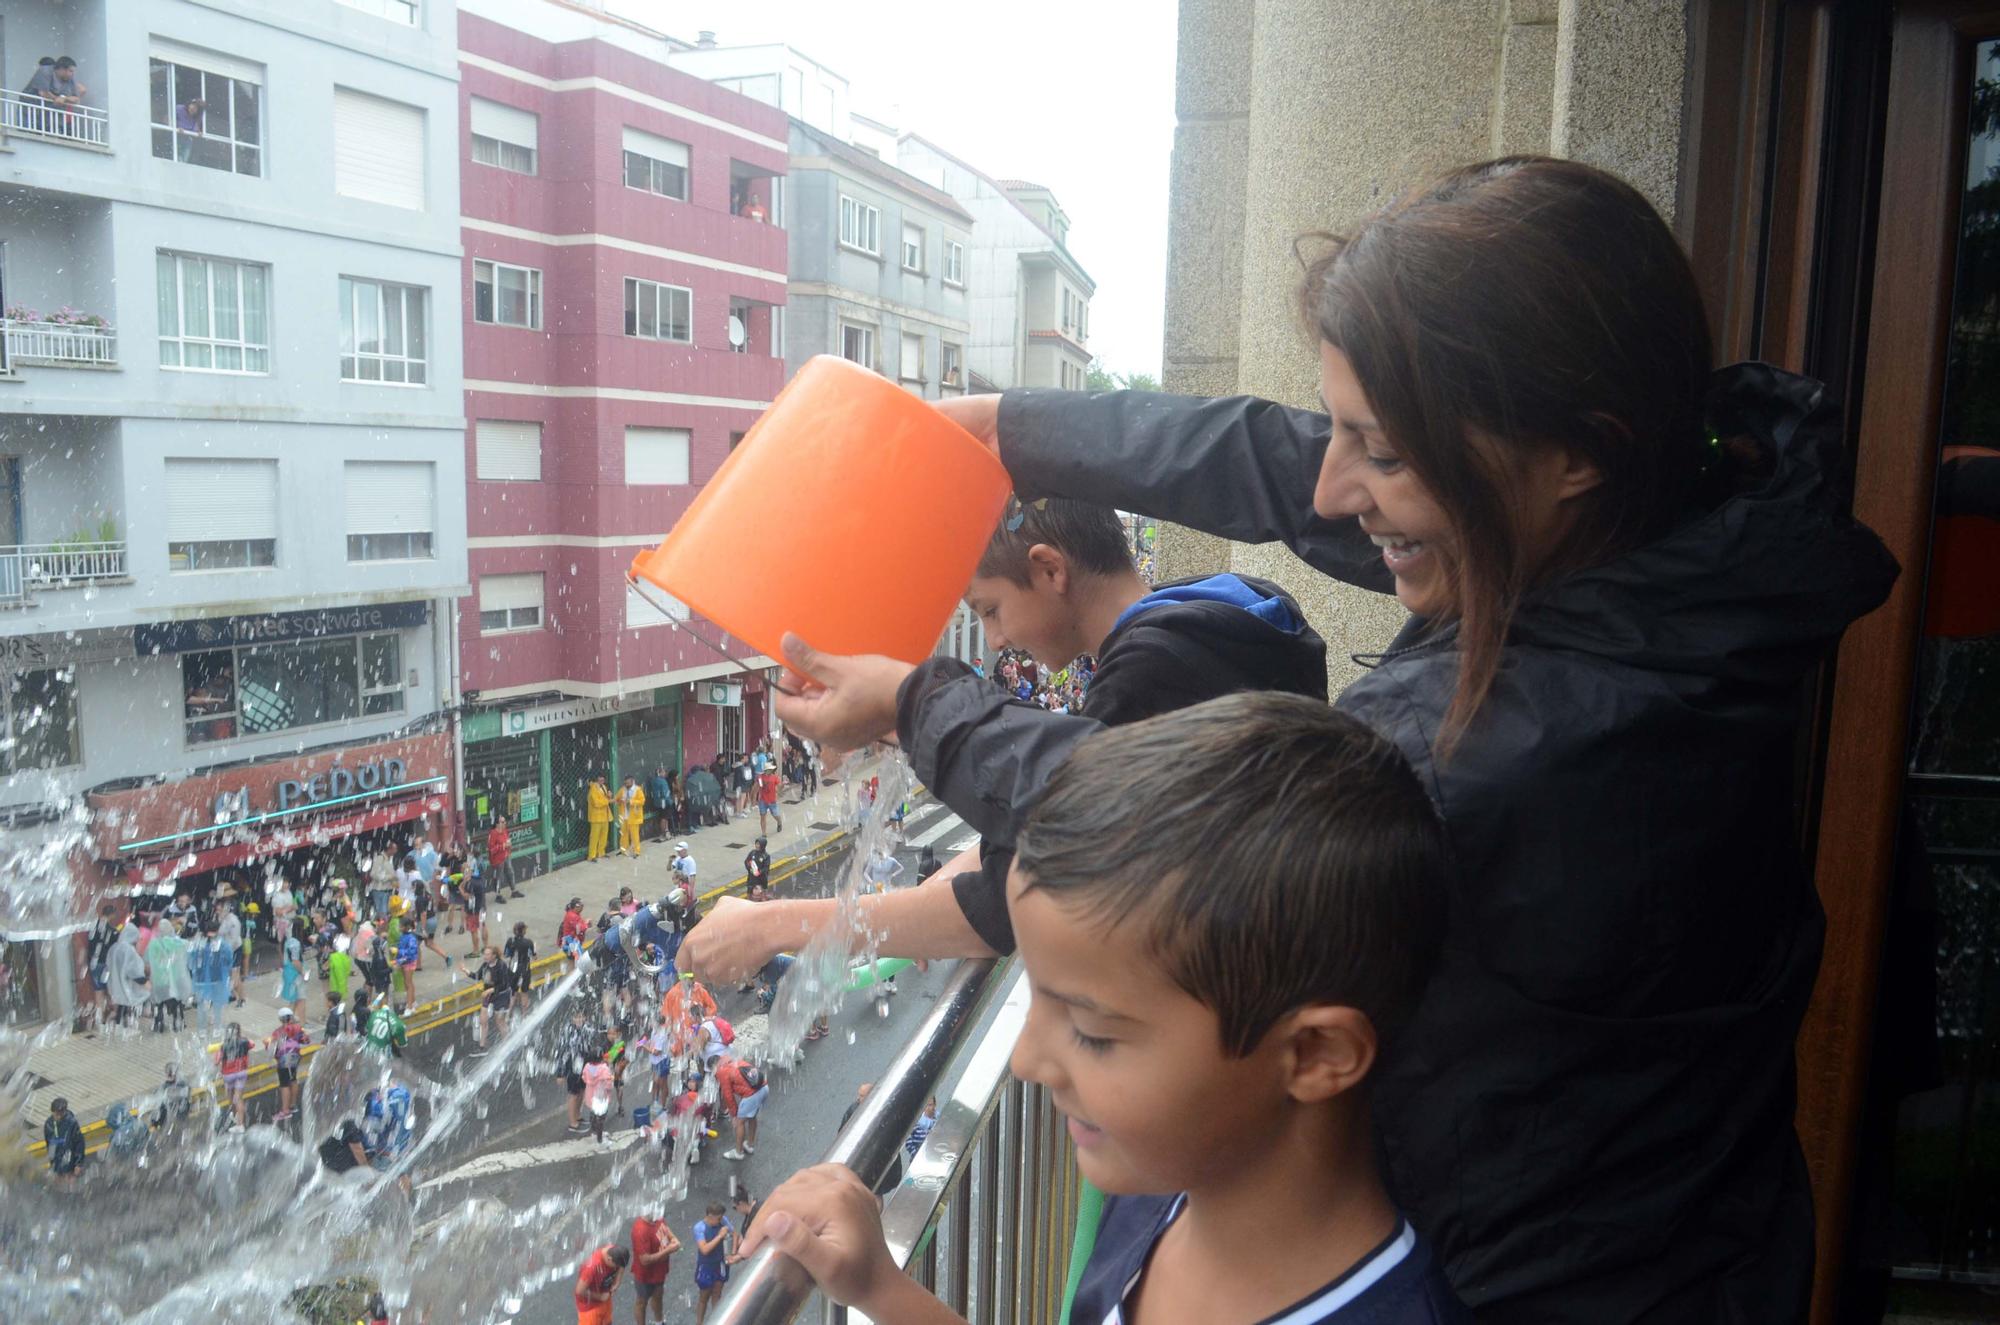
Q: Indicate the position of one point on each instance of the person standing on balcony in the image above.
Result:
(1621, 566)
(597, 813)
(187, 126)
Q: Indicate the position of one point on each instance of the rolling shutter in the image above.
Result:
(216, 500)
(390, 497)
(656, 455)
(508, 450)
(660, 149)
(509, 124)
(378, 150)
(500, 593)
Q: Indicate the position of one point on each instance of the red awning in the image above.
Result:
(153, 873)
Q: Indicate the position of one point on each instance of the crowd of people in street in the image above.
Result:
(1057, 689)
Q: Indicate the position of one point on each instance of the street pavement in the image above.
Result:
(97, 1069)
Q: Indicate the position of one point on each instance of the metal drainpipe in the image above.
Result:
(447, 675)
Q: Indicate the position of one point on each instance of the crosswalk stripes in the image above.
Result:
(947, 825)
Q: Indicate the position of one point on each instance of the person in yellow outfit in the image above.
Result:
(631, 815)
(599, 816)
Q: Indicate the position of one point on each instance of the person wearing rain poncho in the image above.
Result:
(172, 983)
(209, 962)
(125, 974)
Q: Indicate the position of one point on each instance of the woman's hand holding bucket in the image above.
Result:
(978, 415)
(841, 702)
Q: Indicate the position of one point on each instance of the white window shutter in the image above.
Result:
(656, 455)
(500, 593)
(378, 150)
(216, 500)
(390, 496)
(508, 450)
(660, 149)
(640, 613)
(509, 124)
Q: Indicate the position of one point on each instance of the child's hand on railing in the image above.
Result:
(828, 1221)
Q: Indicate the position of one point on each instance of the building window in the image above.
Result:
(257, 689)
(378, 150)
(655, 164)
(951, 368)
(954, 263)
(382, 332)
(657, 455)
(504, 136)
(510, 602)
(507, 451)
(857, 344)
(396, 11)
(1065, 309)
(221, 514)
(860, 226)
(41, 721)
(658, 312)
(645, 609)
(913, 247)
(214, 314)
(390, 506)
(911, 368)
(203, 115)
(507, 296)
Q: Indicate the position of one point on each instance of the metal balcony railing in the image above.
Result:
(60, 343)
(25, 567)
(32, 117)
(986, 1212)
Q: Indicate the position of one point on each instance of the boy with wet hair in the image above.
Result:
(1210, 1035)
(1057, 580)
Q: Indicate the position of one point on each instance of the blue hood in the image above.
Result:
(1271, 609)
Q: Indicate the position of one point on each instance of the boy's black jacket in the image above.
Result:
(1170, 656)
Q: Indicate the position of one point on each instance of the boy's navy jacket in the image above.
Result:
(1396, 1284)
(1590, 1115)
(1185, 642)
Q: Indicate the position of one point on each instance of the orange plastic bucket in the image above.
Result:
(851, 513)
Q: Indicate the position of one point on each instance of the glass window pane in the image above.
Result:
(346, 316)
(392, 319)
(255, 307)
(368, 315)
(168, 295)
(649, 310)
(248, 120)
(194, 297)
(482, 292)
(247, 161)
(160, 97)
(216, 121)
(371, 369)
(413, 322)
(417, 371)
(636, 174)
(229, 358)
(199, 354)
(223, 297)
(163, 144)
(631, 307)
(392, 370)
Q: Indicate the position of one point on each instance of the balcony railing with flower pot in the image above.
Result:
(66, 336)
(32, 117)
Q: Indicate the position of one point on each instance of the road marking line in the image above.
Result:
(936, 831)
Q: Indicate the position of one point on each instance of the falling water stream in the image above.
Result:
(225, 1226)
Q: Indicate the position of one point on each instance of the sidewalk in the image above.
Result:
(95, 1070)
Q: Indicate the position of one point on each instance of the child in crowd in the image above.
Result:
(1209, 1038)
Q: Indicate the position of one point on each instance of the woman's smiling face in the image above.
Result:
(1364, 477)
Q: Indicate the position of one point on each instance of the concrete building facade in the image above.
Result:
(231, 491)
(1030, 306)
(624, 292)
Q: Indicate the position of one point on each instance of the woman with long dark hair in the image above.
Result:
(1620, 566)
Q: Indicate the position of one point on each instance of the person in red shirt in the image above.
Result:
(500, 857)
(684, 1007)
(743, 1091)
(768, 783)
(595, 1282)
(575, 931)
(653, 1246)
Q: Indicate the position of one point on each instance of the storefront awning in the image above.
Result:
(154, 874)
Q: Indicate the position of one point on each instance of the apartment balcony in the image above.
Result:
(28, 569)
(58, 344)
(23, 116)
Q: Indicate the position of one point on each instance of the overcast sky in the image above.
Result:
(1076, 94)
